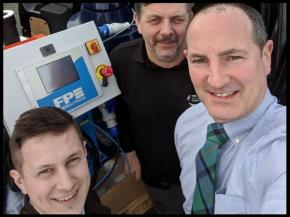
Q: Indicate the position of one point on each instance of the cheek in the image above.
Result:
(247, 73)
(39, 188)
(181, 32)
(147, 30)
(82, 171)
(197, 77)
(83, 176)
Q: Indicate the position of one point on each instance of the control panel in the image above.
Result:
(69, 70)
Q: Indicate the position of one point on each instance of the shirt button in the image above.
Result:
(237, 140)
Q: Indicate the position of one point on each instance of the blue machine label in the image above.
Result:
(74, 94)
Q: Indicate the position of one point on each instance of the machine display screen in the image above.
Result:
(58, 73)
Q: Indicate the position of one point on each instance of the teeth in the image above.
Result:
(68, 197)
(224, 94)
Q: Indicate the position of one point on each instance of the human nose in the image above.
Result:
(166, 28)
(65, 181)
(217, 76)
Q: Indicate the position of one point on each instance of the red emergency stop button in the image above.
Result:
(106, 71)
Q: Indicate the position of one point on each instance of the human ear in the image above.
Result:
(185, 53)
(267, 52)
(84, 146)
(137, 22)
(18, 180)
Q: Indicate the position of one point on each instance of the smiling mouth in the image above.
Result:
(67, 197)
(167, 42)
(224, 94)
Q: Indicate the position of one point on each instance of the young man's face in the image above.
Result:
(163, 27)
(226, 67)
(55, 173)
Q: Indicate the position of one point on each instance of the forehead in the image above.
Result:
(164, 9)
(220, 23)
(227, 15)
(50, 148)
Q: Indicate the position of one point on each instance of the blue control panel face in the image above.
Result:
(68, 84)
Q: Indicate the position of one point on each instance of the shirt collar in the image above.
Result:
(140, 54)
(239, 127)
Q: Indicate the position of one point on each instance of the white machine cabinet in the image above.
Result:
(59, 70)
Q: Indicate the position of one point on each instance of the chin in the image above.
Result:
(166, 58)
(222, 116)
(225, 117)
(71, 211)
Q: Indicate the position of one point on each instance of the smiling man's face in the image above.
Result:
(55, 173)
(227, 68)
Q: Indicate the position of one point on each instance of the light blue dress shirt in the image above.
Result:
(251, 176)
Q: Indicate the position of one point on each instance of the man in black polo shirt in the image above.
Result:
(153, 76)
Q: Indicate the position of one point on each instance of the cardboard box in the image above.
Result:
(122, 193)
(139, 206)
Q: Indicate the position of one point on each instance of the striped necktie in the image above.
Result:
(204, 192)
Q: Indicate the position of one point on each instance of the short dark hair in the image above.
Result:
(259, 32)
(35, 122)
(138, 7)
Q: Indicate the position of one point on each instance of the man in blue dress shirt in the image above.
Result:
(229, 58)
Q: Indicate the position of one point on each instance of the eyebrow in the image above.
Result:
(193, 55)
(221, 54)
(232, 51)
(155, 14)
(41, 167)
(178, 16)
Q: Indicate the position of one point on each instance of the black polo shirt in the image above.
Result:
(151, 101)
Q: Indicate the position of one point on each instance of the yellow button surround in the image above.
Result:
(90, 44)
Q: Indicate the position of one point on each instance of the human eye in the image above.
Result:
(154, 20)
(45, 172)
(233, 58)
(73, 161)
(198, 61)
(178, 20)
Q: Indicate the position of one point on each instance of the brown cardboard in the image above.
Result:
(38, 26)
(139, 206)
(123, 193)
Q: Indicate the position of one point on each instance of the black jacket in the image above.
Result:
(92, 206)
(151, 101)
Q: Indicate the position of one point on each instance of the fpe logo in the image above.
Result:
(66, 98)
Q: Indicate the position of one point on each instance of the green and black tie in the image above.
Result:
(204, 192)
